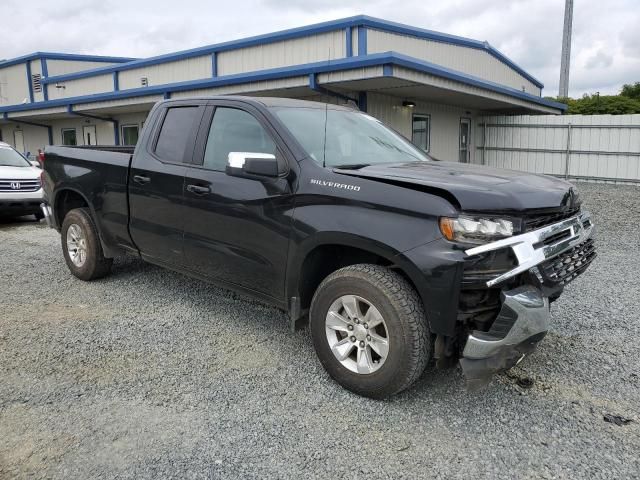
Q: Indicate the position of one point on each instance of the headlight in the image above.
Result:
(475, 230)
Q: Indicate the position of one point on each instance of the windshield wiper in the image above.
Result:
(352, 166)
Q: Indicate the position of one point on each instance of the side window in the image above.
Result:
(177, 127)
(234, 130)
(421, 131)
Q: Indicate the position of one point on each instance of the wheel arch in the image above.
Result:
(66, 199)
(327, 252)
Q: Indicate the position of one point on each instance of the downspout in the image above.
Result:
(33, 124)
(316, 87)
(116, 126)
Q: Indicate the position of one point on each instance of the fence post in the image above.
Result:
(568, 154)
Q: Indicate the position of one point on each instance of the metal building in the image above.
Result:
(429, 86)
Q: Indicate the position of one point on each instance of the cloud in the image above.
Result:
(605, 47)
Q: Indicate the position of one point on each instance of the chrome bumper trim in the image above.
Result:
(529, 248)
(531, 312)
(48, 214)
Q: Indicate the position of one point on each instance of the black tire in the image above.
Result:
(39, 216)
(410, 344)
(96, 264)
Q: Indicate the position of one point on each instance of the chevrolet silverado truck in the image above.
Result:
(20, 189)
(322, 211)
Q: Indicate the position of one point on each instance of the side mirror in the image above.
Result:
(35, 163)
(252, 164)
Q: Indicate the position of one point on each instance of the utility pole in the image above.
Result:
(563, 91)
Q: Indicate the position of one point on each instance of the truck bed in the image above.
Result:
(100, 175)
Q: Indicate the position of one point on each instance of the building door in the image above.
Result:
(18, 140)
(89, 134)
(465, 140)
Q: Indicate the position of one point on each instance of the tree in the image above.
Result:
(627, 102)
(631, 90)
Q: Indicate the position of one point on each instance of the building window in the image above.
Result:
(130, 134)
(69, 137)
(421, 131)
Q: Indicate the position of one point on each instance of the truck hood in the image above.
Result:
(19, 173)
(475, 187)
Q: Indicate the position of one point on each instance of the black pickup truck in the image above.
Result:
(326, 213)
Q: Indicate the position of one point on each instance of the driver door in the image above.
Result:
(236, 229)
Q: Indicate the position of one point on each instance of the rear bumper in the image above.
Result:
(48, 214)
(522, 322)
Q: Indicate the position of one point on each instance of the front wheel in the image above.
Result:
(81, 246)
(369, 330)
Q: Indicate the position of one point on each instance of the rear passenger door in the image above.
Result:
(237, 229)
(156, 181)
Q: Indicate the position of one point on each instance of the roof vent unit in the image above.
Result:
(144, 81)
(36, 82)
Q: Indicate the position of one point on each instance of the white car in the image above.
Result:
(20, 189)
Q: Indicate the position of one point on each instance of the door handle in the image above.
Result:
(198, 189)
(141, 180)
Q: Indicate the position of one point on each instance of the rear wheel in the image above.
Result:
(81, 246)
(369, 330)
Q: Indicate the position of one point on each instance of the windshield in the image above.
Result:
(336, 138)
(10, 158)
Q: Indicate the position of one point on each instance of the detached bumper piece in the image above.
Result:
(556, 254)
(522, 322)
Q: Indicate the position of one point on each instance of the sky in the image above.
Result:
(605, 48)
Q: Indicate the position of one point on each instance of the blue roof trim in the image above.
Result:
(341, 24)
(446, 38)
(63, 56)
(378, 59)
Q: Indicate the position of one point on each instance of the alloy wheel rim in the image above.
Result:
(357, 334)
(76, 245)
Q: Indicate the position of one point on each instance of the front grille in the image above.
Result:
(565, 267)
(533, 222)
(19, 185)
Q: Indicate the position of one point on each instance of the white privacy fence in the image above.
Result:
(585, 147)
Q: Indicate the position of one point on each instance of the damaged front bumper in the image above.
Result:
(555, 254)
(522, 322)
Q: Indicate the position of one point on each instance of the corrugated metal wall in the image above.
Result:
(13, 85)
(589, 147)
(179, 71)
(314, 48)
(468, 60)
(63, 67)
(81, 86)
(445, 123)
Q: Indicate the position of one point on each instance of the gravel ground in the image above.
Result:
(149, 374)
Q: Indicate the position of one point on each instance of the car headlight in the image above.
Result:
(475, 230)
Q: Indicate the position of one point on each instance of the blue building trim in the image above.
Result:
(387, 70)
(362, 40)
(350, 22)
(45, 73)
(348, 35)
(378, 59)
(64, 56)
(361, 21)
(29, 81)
(423, 33)
(214, 64)
(166, 95)
(316, 87)
(116, 82)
